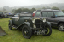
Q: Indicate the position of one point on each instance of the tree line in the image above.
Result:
(24, 10)
(19, 10)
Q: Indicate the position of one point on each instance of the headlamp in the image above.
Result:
(33, 20)
(44, 19)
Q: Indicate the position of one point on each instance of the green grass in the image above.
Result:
(16, 35)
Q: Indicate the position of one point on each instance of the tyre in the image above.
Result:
(10, 27)
(27, 32)
(61, 27)
(48, 30)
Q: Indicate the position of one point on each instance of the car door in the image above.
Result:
(51, 19)
(15, 20)
(21, 20)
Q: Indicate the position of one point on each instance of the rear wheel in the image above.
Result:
(10, 27)
(61, 26)
(26, 31)
(48, 30)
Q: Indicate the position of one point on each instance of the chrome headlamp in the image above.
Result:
(33, 20)
(44, 20)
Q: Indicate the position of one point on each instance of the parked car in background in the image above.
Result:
(16, 15)
(55, 17)
(2, 15)
(10, 15)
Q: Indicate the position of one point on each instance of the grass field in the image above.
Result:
(16, 35)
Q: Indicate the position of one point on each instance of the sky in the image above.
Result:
(12, 3)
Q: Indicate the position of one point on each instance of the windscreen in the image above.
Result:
(25, 15)
(37, 14)
(59, 13)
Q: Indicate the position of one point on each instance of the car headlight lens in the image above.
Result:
(33, 20)
(44, 19)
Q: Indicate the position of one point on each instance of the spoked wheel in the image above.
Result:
(48, 30)
(10, 27)
(61, 27)
(27, 32)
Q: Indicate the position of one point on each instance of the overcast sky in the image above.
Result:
(12, 3)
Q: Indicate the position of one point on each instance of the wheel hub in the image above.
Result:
(25, 32)
(61, 28)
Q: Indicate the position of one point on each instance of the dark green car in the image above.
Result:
(30, 25)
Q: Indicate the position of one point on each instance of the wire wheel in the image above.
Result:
(48, 30)
(27, 32)
(61, 27)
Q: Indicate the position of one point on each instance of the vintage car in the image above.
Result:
(30, 25)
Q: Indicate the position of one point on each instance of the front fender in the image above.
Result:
(10, 21)
(27, 23)
(48, 23)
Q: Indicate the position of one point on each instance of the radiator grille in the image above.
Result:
(37, 23)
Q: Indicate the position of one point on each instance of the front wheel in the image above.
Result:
(26, 31)
(48, 30)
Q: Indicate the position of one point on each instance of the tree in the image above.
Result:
(48, 7)
(32, 10)
(25, 10)
(62, 10)
(55, 8)
(44, 8)
(13, 10)
(18, 10)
